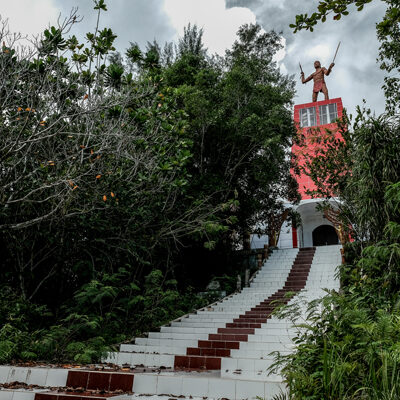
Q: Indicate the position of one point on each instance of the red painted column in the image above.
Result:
(294, 237)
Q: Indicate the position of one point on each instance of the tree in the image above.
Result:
(239, 114)
(86, 148)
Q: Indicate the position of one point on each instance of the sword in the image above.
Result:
(301, 69)
(336, 52)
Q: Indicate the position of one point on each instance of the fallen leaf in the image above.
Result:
(104, 198)
(98, 176)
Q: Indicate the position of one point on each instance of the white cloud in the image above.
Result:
(41, 13)
(321, 51)
(220, 24)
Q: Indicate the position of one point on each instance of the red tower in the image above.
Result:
(313, 120)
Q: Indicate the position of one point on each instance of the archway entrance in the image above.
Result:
(324, 235)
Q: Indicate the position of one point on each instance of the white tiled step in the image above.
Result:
(33, 376)
(189, 342)
(152, 397)
(194, 329)
(266, 337)
(6, 394)
(199, 324)
(260, 354)
(246, 364)
(204, 385)
(135, 359)
(134, 348)
(177, 336)
(209, 315)
(267, 349)
(262, 375)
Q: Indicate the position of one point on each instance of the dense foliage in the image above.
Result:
(126, 183)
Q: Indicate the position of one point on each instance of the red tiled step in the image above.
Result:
(197, 362)
(250, 320)
(243, 325)
(302, 262)
(298, 274)
(228, 337)
(218, 344)
(237, 331)
(257, 314)
(278, 296)
(297, 285)
(90, 382)
(96, 380)
(273, 302)
(204, 351)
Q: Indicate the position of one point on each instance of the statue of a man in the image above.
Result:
(319, 80)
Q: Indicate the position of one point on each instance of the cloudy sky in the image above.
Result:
(354, 78)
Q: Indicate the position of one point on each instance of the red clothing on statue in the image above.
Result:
(318, 86)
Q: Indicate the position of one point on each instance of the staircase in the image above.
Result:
(222, 351)
(231, 342)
